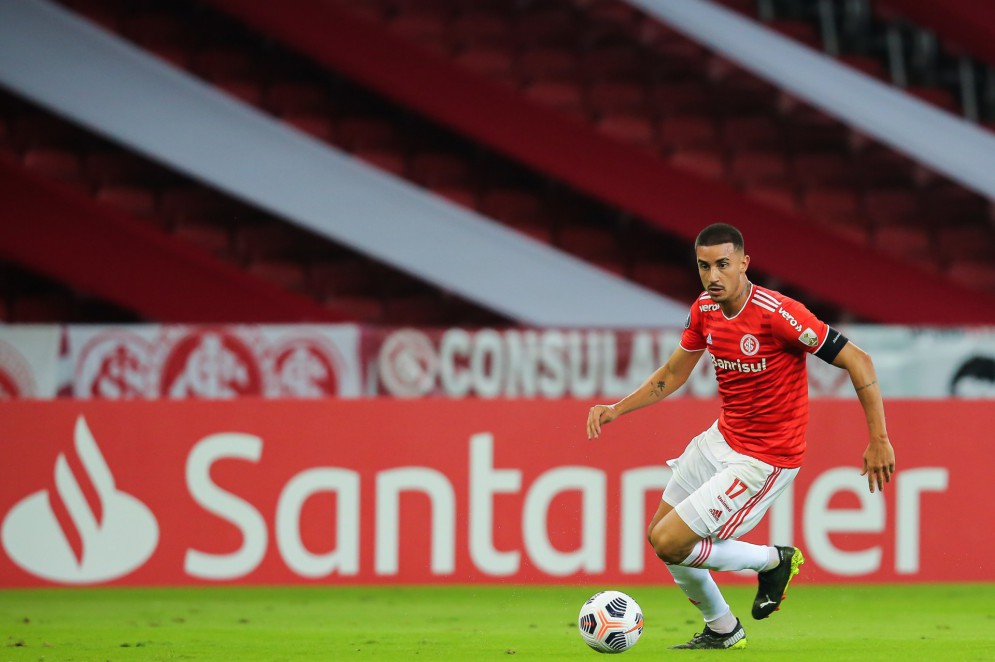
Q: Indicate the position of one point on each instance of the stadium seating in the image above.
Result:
(632, 79)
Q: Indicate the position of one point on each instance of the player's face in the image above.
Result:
(722, 269)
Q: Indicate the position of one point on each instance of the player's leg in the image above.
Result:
(722, 628)
(700, 530)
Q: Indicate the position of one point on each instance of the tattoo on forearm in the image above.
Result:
(861, 388)
(660, 386)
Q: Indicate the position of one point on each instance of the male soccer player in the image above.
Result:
(730, 474)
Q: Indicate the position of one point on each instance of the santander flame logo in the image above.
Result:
(87, 531)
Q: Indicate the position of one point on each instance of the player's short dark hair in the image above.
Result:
(720, 233)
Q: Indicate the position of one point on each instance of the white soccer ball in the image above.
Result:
(610, 622)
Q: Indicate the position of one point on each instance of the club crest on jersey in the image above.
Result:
(749, 344)
(809, 338)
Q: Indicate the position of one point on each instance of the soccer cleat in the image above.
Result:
(772, 584)
(707, 639)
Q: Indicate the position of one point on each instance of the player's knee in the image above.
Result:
(666, 547)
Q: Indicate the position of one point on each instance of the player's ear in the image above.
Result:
(745, 263)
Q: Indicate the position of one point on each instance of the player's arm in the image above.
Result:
(668, 378)
(879, 458)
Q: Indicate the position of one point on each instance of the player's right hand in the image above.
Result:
(597, 416)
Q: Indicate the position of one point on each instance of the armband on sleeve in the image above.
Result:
(835, 341)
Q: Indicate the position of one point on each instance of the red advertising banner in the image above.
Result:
(383, 491)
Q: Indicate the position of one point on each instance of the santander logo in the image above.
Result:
(114, 533)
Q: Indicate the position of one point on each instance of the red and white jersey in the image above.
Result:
(759, 358)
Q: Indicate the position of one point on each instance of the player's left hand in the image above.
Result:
(879, 464)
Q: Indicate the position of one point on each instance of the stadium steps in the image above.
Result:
(907, 210)
(685, 90)
(186, 214)
(351, 119)
(672, 63)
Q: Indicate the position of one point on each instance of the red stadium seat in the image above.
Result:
(547, 63)
(53, 162)
(134, 200)
(634, 130)
(287, 274)
(968, 241)
(758, 166)
(975, 274)
(615, 97)
(741, 91)
(427, 29)
(779, 196)
(708, 163)
(368, 309)
(214, 238)
(113, 167)
(286, 98)
(880, 166)
(682, 97)
(890, 206)
(950, 202)
(669, 278)
(348, 276)
(415, 310)
(195, 202)
(822, 168)
(589, 243)
(223, 64)
(438, 169)
(490, 62)
(831, 203)
(481, 29)
(269, 240)
(547, 26)
(363, 133)
(688, 131)
(752, 132)
(562, 95)
(910, 242)
(155, 29)
(613, 63)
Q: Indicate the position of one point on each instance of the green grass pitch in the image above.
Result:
(836, 623)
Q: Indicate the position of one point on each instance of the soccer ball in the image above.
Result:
(610, 622)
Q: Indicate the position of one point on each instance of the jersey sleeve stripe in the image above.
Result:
(765, 306)
(766, 298)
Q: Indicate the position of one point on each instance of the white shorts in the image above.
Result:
(720, 493)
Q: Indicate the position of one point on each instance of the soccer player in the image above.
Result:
(730, 474)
